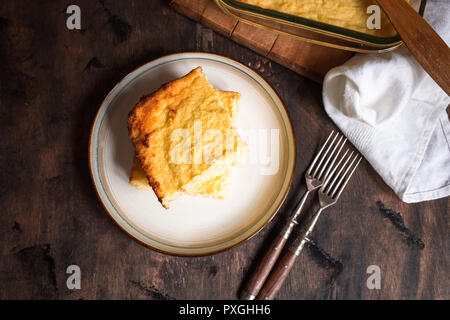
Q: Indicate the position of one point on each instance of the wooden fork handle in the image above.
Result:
(263, 269)
(423, 42)
(277, 277)
(284, 265)
(259, 275)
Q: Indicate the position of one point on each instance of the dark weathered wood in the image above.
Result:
(424, 43)
(191, 9)
(277, 277)
(52, 82)
(261, 272)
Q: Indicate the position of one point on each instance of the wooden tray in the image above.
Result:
(310, 60)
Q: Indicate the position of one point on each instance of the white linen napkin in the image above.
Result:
(394, 113)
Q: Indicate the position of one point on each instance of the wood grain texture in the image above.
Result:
(263, 267)
(52, 83)
(307, 59)
(277, 277)
(191, 9)
(257, 39)
(424, 43)
(214, 18)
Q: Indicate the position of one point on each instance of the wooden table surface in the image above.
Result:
(52, 81)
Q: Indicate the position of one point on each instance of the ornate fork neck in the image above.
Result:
(304, 232)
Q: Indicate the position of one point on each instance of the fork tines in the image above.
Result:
(338, 179)
(319, 168)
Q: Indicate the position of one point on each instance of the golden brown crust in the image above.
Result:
(349, 14)
(146, 124)
(139, 179)
(178, 105)
(145, 114)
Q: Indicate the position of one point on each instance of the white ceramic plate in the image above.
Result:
(195, 225)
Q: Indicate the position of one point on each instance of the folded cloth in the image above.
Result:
(395, 115)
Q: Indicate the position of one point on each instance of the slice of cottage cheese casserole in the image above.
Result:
(181, 134)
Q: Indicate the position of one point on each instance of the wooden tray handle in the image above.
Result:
(423, 42)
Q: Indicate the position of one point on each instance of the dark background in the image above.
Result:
(52, 81)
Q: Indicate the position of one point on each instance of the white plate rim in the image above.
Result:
(114, 213)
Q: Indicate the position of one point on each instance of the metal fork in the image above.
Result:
(315, 177)
(328, 195)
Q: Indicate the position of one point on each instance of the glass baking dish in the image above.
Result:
(314, 31)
